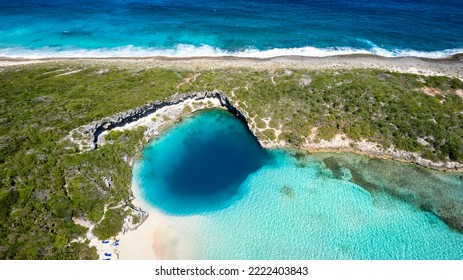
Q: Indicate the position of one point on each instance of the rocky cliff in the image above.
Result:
(87, 136)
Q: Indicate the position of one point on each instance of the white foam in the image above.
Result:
(209, 51)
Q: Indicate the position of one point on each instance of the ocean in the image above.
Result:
(251, 28)
(249, 203)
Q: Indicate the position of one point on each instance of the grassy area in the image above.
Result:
(45, 182)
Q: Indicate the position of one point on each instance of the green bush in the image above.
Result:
(110, 225)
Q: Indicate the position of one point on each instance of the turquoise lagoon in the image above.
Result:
(276, 204)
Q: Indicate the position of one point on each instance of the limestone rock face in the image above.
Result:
(87, 136)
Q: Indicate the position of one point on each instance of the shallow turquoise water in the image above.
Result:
(280, 207)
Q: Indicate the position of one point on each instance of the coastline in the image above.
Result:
(341, 144)
(450, 66)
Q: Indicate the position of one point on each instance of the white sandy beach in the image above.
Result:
(161, 236)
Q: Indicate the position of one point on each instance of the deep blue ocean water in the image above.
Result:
(250, 203)
(256, 28)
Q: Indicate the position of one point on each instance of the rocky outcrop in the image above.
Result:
(135, 219)
(87, 136)
(341, 143)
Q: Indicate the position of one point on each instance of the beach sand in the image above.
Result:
(160, 236)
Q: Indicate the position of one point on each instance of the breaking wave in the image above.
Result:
(183, 50)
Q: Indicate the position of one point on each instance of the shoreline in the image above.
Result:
(453, 57)
(370, 150)
(450, 66)
(160, 236)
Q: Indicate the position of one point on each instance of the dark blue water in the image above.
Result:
(200, 165)
(258, 28)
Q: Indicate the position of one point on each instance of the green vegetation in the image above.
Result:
(46, 182)
(110, 225)
(187, 109)
(269, 134)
